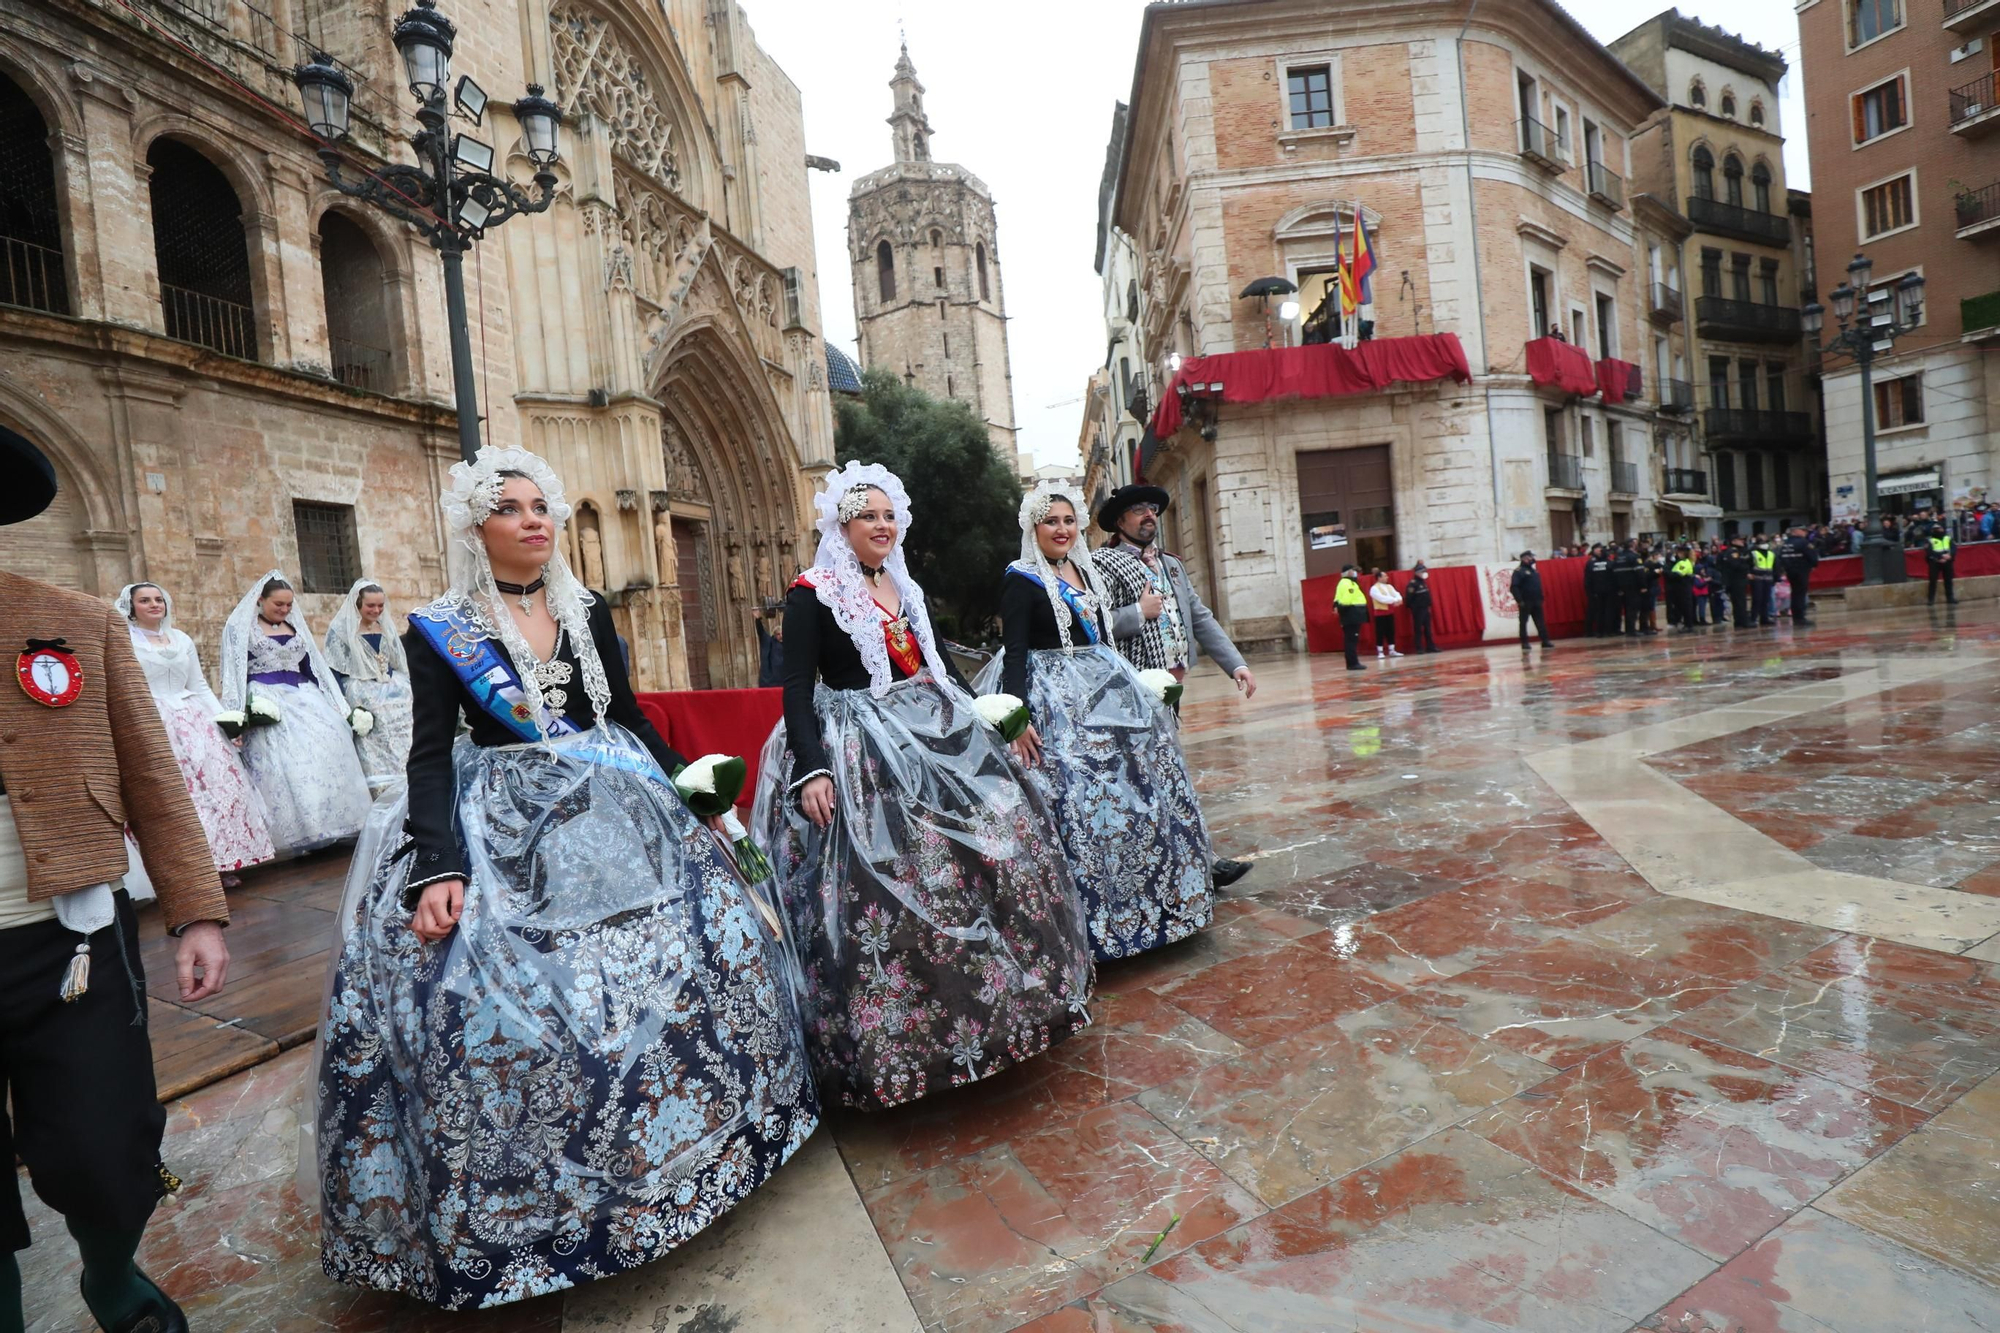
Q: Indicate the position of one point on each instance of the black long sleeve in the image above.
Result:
(624, 709)
(1018, 600)
(434, 692)
(803, 613)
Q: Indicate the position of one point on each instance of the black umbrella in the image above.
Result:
(1268, 287)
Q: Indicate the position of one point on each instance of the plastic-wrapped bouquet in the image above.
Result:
(362, 721)
(1163, 685)
(232, 722)
(710, 786)
(1004, 713)
(262, 712)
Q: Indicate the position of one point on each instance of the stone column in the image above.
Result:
(109, 198)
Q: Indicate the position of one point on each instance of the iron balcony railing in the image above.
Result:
(1606, 185)
(1748, 320)
(1566, 472)
(1962, 14)
(32, 275)
(222, 326)
(1667, 301)
(1973, 99)
(1676, 396)
(1624, 477)
(1685, 481)
(1978, 206)
(360, 366)
(1755, 425)
(1735, 220)
(1541, 145)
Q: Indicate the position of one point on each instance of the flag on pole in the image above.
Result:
(1346, 307)
(1362, 265)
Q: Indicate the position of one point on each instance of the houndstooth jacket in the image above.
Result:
(1138, 638)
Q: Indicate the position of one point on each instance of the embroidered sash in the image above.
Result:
(904, 650)
(1072, 598)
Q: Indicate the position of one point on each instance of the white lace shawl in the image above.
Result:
(349, 652)
(470, 495)
(836, 576)
(1034, 508)
(235, 664)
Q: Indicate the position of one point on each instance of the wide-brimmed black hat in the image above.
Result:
(27, 479)
(1124, 498)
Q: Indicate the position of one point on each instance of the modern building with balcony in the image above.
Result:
(1718, 152)
(1910, 160)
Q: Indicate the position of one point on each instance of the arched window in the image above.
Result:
(1704, 173)
(31, 258)
(1697, 95)
(1760, 187)
(885, 271)
(937, 239)
(198, 246)
(1756, 112)
(1732, 180)
(979, 254)
(357, 306)
(1729, 105)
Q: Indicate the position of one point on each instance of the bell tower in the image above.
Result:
(923, 247)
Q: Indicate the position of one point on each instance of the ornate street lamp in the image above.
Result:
(452, 196)
(1884, 317)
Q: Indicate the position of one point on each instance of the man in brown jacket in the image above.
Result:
(82, 754)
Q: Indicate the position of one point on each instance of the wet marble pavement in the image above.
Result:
(1608, 988)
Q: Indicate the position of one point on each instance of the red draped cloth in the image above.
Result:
(1615, 380)
(1457, 619)
(1323, 370)
(1973, 560)
(1553, 361)
(699, 722)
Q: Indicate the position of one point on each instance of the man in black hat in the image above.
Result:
(1526, 587)
(1417, 596)
(1157, 620)
(82, 755)
(1600, 590)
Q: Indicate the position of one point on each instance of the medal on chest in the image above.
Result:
(903, 645)
(49, 673)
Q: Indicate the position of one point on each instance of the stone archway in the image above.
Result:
(79, 541)
(732, 497)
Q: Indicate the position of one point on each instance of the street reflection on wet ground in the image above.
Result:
(1447, 1058)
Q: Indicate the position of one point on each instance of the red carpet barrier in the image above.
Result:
(1459, 605)
(699, 722)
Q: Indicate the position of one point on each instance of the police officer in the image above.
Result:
(1735, 564)
(1626, 572)
(1680, 590)
(84, 755)
(1417, 597)
(1798, 559)
(1351, 605)
(1938, 556)
(1763, 578)
(1526, 586)
(1654, 567)
(1600, 590)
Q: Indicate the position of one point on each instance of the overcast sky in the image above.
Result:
(1021, 94)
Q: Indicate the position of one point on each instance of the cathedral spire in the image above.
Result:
(912, 129)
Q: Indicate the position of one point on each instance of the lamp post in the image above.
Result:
(452, 195)
(1883, 318)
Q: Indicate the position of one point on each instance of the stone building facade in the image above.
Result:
(1486, 157)
(923, 245)
(1904, 106)
(235, 367)
(1717, 153)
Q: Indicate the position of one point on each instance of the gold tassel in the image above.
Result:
(76, 977)
(169, 1182)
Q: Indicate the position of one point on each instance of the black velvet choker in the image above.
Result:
(518, 589)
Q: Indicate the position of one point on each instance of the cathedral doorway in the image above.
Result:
(697, 626)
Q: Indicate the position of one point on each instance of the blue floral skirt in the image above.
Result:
(1113, 772)
(604, 1057)
(939, 935)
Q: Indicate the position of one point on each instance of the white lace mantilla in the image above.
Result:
(837, 580)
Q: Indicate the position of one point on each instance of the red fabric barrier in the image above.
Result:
(1974, 560)
(699, 722)
(1320, 371)
(1457, 617)
(1569, 368)
(1614, 379)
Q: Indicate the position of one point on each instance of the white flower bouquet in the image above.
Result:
(262, 712)
(1163, 685)
(232, 722)
(362, 721)
(710, 786)
(1004, 713)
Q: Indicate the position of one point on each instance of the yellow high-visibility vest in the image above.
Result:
(1942, 545)
(1683, 569)
(1349, 594)
(1766, 560)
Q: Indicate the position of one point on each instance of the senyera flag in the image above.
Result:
(1357, 287)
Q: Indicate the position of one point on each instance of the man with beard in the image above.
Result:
(1157, 620)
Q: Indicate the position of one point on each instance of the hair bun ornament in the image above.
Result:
(472, 490)
(1036, 503)
(831, 502)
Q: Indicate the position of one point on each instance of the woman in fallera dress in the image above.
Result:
(560, 1038)
(303, 765)
(940, 936)
(367, 659)
(231, 814)
(1102, 747)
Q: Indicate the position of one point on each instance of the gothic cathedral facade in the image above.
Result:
(928, 294)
